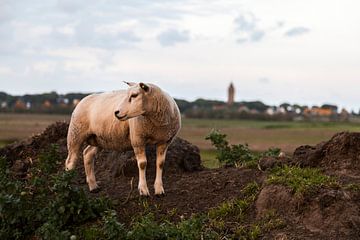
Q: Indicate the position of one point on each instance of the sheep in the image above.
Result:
(124, 120)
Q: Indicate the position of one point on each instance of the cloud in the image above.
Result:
(171, 37)
(264, 80)
(87, 34)
(280, 24)
(246, 26)
(257, 35)
(5, 70)
(296, 31)
(71, 6)
(245, 22)
(44, 67)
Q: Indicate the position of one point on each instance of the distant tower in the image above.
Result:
(231, 94)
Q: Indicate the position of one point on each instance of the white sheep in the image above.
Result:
(124, 120)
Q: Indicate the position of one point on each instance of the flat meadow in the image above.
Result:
(260, 135)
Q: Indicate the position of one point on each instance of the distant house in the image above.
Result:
(298, 110)
(47, 104)
(243, 109)
(76, 102)
(4, 104)
(62, 101)
(19, 105)
(281, 110)
(28, 105)
(270, 111)
(320, 112)
(218, 107)
(344, 115)
(254, 111)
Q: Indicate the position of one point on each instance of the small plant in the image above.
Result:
(272, 152)
(231, 155)
(300, 180)
(237, 155)
(111, 227)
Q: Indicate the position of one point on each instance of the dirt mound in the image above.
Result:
(181, 156)
(328, 214)
(271, 162)
(31, 147)
(339, 155)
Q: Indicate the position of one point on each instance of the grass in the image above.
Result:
(300, 180)
(5, 142)
(208, 158)
(20, 126)
(261, 135)
(229, 219)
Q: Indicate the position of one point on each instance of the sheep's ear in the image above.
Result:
(144, 87)
(130, 83)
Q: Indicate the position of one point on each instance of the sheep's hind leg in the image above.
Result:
(89, 154)
(73, 155)
(142, 162)
(160, 161)
(74, 142)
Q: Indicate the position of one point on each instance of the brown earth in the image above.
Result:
(330, 213)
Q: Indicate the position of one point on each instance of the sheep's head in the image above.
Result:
(134, 103)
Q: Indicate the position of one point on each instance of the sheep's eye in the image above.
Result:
(132, 96)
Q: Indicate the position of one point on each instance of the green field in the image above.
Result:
(260, 135)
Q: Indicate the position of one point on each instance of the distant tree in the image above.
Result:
(256, 105)
(183, 105)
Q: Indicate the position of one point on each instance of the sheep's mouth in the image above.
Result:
(121, 118)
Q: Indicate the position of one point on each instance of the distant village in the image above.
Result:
(55, 103)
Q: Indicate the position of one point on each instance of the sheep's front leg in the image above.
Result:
(142, 162)
(160, 161)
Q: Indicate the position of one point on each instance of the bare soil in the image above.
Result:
(330, 213)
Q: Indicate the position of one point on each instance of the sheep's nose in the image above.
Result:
(116, 113)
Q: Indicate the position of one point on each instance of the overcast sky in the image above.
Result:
(297, 51)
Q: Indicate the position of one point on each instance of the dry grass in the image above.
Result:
(19, 126)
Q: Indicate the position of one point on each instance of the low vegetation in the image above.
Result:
(64, 210)
(300, 180)
(236, 155)
(45, 204)
(230, 219)
(49, 204)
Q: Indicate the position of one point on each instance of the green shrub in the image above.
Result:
(112, 229)
(47, 204)
(236, 155)
(146, 227)
(230, 155)
(272, 152)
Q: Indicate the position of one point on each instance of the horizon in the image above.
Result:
(207, 99)
(275, 52)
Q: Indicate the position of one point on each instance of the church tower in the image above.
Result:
(231, 94)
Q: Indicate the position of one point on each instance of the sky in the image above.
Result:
(297, 51)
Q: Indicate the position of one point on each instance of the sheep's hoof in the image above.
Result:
(96, 189)
(143, 190)
(160, 195)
